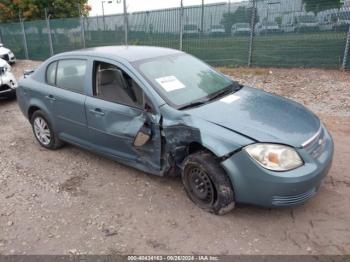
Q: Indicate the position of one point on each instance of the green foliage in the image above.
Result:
(278, 20)
(320, 5)
(34, 9)
(241, 15)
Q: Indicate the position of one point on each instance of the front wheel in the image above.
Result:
(207, 184)
(43, 131)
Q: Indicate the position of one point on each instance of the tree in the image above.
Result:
(34, 9)
(317, 5)
(278, 20)
(241, 15)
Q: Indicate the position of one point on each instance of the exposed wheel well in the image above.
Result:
(31, 111)
(194, 147)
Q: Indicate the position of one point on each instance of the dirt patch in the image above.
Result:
(72, 185)
(71, 201)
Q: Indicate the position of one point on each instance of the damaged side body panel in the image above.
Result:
(182, 134)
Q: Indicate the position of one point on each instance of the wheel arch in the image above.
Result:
(36, 105)
(31, 110)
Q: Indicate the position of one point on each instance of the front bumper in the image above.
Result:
(8, 84)
(256, 185)
(6, 91)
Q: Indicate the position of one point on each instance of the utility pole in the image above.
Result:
(126, 22)
(181, 23)
(47, 17)
(202, 18)
(103, 16)
(103, 13)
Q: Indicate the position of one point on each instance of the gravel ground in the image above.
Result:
(71, 201)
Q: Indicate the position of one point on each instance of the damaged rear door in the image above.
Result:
(120, 119)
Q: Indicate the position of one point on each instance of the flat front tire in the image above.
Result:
(43, 131)
(207, 184)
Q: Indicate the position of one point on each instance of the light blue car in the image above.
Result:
(167, 113)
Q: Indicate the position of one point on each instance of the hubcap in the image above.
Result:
(201, 185)
(42, 131)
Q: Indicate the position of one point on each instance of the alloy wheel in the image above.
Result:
(42, 131)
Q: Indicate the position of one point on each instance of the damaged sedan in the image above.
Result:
(8, 83)
(167, 113)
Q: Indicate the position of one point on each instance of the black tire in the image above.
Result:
(213, 191)
(54, 142)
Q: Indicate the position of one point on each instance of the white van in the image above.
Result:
(240, 29)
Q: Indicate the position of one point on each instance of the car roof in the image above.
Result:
(129, 53)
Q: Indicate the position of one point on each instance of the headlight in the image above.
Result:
(274, 157)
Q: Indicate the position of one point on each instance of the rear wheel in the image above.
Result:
(207, 184)
(43, 131)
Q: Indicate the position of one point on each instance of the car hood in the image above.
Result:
(261, 116)
(4, 51)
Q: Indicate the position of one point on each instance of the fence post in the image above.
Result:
(181, 24)
(82, 27)
(126, 22)
(251, 41)
(346, 51)
(49, 32)
(24, 37)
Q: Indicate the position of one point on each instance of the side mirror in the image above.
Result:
(143, 136)
(28, 72)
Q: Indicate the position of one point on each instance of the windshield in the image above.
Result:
(217, 27)
(190, 27)
(242, 25)
(182, 79)
(344, 15)
(307, 19)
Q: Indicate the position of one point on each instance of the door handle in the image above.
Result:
(50, 97)
(97, 111)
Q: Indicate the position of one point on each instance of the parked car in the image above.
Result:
(328, 19)
(8, 83)
(167, 113)
(343, 21)
(267, 28)
(191, 30)
(7, 54)
(217, 30)
(306, 23)
(240, 29)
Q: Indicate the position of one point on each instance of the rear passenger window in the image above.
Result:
(71, 75)
(51, 74)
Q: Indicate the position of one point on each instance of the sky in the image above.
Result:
(116, 6)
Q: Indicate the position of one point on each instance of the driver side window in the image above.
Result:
(114, 85)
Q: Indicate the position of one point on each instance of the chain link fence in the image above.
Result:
(276, 33)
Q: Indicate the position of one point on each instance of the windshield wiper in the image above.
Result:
(234, 87)
(194, 104)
